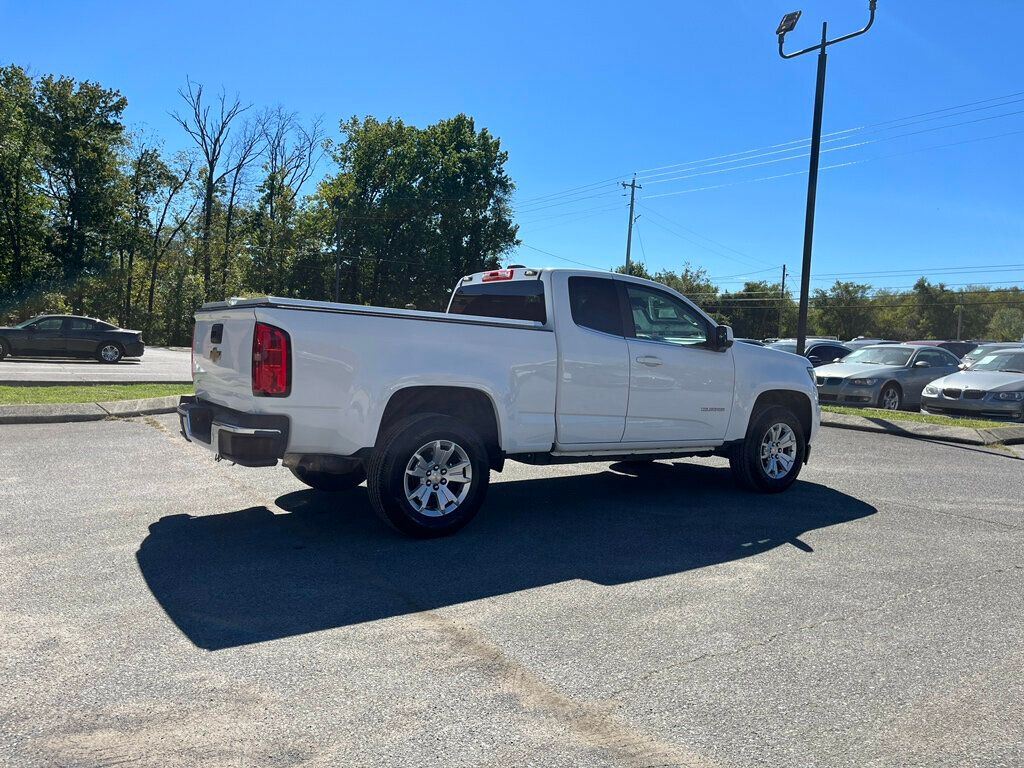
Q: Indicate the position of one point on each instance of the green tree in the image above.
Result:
(844, 310)
(411, 208)
(1007, 324)
(82, 133)
(23, 226)
(754, 311)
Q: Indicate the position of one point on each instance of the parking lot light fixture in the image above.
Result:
(787, 24)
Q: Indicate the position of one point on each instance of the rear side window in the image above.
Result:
(512, 300)
(77, 324)
(594, 302)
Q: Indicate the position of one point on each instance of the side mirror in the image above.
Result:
(962, 366)
(723, 337)
(922, 364)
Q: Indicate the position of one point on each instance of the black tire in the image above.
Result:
(388, 482)
(890, 394)
(109, 353)
(329, 481)
(3, 349)
(746, 463)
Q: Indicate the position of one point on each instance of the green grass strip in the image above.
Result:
(88, 393)
(920, 418)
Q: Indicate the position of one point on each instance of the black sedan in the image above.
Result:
(818, 351)
(70, 336)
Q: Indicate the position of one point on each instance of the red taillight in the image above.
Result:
(271, 362)
(498, 274)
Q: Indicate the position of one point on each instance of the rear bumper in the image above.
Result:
(134, 349)
(249, 439)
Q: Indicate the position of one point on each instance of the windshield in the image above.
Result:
(26, 323)
(880, 356)
(1008, 362)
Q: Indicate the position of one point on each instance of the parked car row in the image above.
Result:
(891, 376)
(950, 377)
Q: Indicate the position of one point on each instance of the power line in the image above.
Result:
(562, 258)
(854, 145)
(698, 234)
(862, 131)
(843, 132)
(836, 165)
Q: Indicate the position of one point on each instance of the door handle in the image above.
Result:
(649, 360)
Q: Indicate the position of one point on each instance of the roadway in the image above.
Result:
(160, 609)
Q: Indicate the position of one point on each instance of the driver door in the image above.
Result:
(45, 337)
(680, 387)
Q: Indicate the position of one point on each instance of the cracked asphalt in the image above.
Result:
(159, 609)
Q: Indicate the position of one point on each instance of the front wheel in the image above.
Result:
(329, 481)
(770, 458)
(110, 353)
(890, 398)
(428, 476)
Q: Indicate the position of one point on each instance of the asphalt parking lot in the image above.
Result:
(163, 610)
(159, 365)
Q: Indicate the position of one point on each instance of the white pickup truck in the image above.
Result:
(535, 365)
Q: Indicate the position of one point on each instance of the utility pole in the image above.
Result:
(632, 187)
(959, 320)
(782, 299)
(337, 250)
(787, 25)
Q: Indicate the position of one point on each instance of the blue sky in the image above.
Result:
(585, 92)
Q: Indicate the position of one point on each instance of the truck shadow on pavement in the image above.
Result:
(252, 575)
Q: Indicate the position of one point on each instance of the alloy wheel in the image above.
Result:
(438, 478)
(778, 451)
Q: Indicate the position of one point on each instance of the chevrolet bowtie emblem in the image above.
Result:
(214, 355)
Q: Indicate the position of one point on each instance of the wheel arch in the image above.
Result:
(793, 399)
(474, 406)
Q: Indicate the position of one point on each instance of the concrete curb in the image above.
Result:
(1009, 435)
(60, 413)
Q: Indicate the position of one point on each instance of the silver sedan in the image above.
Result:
(889, 376)
(992, 387)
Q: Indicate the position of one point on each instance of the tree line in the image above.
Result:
(761, 309)
(99, 219)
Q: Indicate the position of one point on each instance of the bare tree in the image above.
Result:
(164, 234)
(245, 149)
(293, 152)
(210, 128)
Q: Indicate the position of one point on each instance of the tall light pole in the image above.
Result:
(787, 24)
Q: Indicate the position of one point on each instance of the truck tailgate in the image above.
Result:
(222, 356)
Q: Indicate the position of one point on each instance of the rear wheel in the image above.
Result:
(770, 458)
(3, 349)
(890, 398)
(428, 476)
(109, 353)
(329, 481)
